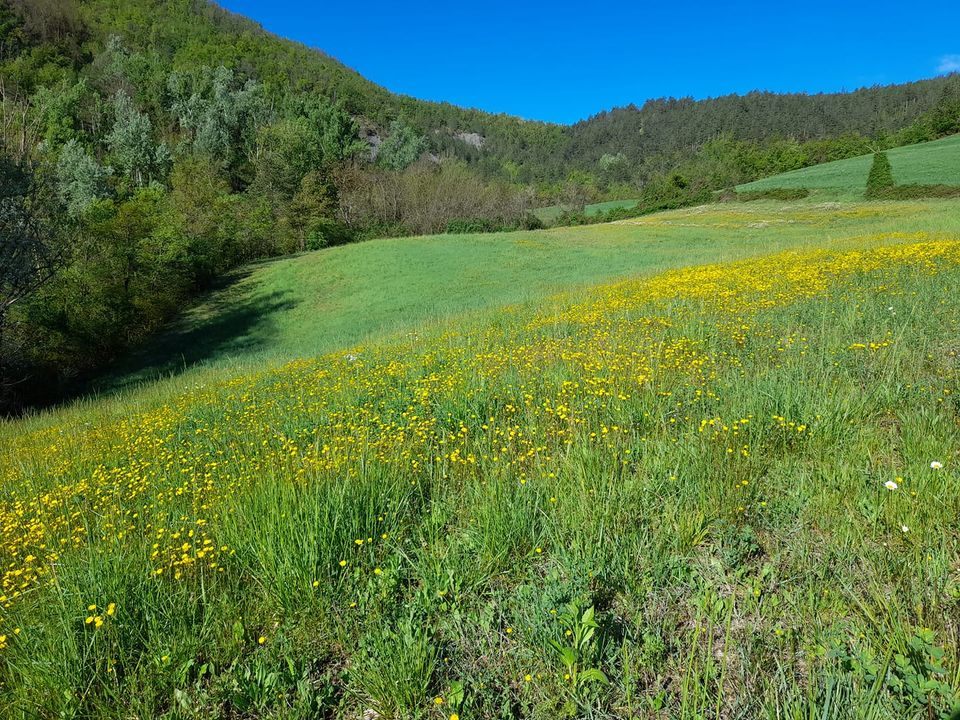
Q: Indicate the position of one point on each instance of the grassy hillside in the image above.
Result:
(700, 465)
(722, 490)
(317, 302)
(931, 163)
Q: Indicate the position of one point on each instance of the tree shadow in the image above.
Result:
(236, 319)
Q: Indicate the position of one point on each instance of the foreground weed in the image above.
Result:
(578, 650)
(394, 671)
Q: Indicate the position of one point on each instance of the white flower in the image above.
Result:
(890, 485)
(904, 528)
(936, 465)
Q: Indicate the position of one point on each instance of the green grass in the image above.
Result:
(660, 497)
(317, 302)
(549, 214)
(932, 163)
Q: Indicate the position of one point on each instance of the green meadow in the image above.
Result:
(931, 163)
(282, 438)
(330, 299)
(699, 464)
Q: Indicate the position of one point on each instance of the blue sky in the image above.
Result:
(563, 61)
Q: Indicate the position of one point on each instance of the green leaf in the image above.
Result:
(238, 632)
(455, 694)
(588, 618)
(593, 675)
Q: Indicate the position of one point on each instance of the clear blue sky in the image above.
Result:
(563, 61)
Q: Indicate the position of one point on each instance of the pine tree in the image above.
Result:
(880, 179)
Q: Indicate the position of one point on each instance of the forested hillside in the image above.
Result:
(669, 124)
(149, 147)
(182, 35)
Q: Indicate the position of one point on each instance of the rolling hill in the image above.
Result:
(181, 142)
(183, 35)
(697, 464)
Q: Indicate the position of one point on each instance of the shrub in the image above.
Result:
(773, 194)
(917, 192)
(324, 232)
(531, 222)
(466, 226)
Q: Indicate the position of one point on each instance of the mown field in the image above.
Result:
(715, 477)
(930, 163)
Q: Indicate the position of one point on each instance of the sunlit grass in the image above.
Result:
(931, 163)
(320, 302)
(418, 526)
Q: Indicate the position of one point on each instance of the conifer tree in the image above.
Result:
(880, 179)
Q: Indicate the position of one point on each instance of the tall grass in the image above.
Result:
(699, 463)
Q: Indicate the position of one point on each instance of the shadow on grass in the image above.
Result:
(234, 320)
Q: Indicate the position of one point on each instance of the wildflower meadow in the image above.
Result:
(717, 491)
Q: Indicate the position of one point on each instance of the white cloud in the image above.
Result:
(949, 64)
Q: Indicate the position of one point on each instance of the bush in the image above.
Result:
(324, 232)
(531, 222)
(918, 192)
(880, 178)
(470, 226)
(571, 218)
(773, 194)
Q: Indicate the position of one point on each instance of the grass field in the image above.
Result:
(318, 302)
(931, 163)
(700, 464)
(549, 214)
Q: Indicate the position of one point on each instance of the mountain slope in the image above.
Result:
(670, 125)
(188, 33)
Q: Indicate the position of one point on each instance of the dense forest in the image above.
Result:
(147, 147)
